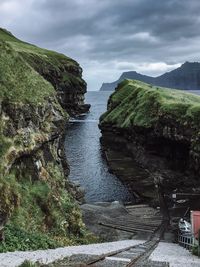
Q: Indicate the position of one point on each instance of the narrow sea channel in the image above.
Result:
(83, 150)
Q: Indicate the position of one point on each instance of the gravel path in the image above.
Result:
(12, 259)
(175, 255)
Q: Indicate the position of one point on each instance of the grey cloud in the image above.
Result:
(132, 31)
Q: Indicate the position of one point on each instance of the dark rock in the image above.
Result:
(66, 79)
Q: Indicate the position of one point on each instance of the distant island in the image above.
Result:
(186, 77)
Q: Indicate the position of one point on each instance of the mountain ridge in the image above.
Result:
(186, 77)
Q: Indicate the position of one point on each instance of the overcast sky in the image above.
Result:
(108, 37)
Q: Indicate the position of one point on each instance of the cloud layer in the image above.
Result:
(108, 37)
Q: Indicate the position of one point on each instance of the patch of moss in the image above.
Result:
(140, 104)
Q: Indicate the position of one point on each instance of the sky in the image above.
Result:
(108, 37)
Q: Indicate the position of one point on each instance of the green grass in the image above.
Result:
(29, 264)
(135, 103)
(40, 214)
(39, 211)
(48, 57)
(17, 238)
(7, 36)
(60, 70)
(21, 46)
(18, 81)
(42, 60)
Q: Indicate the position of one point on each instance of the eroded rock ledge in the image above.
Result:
(159, 129)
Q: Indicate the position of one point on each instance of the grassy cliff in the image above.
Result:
(47, 56)
(19, 82)
(37, 207)
(160, 129)
(135, 103)
(62, 72)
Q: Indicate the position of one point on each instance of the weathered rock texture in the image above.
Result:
(37, 201)
(159, 129)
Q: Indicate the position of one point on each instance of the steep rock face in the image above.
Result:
(186, 77)
(62, 72)
(36, 203)
(159, 128)
(65, 76)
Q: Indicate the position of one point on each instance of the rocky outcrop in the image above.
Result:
(65, 76)
(37, 202)
(186, 77)
(157, 128)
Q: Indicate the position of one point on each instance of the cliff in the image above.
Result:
(186, 77)
(159, 129)
(37, 205)
(62, 72)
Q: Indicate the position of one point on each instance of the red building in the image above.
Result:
(195, 221)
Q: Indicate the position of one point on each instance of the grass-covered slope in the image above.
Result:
(37, 209)
(61, 71)
(135, 103)
(18, 81)
(47, 55)
(7, 36)
(20, 85)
